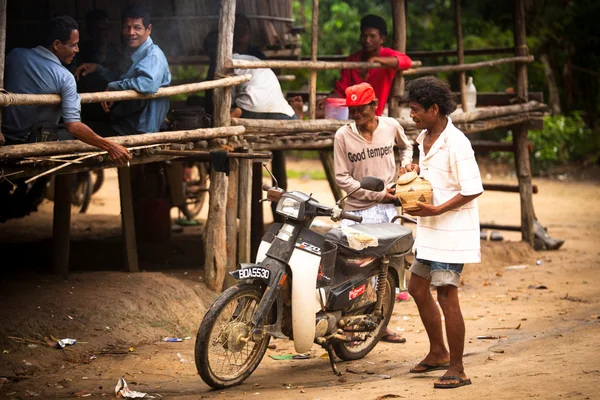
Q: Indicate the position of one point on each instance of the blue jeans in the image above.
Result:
(439, 273)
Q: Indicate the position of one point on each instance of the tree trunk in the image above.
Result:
(553, 97)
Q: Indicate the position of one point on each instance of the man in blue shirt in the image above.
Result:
(148, 72)
(40, 71)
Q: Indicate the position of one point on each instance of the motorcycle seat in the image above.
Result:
(392, 238)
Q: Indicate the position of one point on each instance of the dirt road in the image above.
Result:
(543, 306)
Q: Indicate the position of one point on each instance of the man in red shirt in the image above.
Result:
(373, 31)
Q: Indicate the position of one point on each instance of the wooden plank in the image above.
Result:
(61, 225)
(327, 161)
(127, 219)
(245, 210)
(231, 222)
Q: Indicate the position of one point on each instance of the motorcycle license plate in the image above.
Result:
(252, 273)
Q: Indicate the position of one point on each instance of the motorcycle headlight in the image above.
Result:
(289, 207)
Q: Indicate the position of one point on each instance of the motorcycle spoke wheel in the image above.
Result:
(355, 350)
(224, 353)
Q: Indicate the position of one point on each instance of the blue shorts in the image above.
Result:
(439, 273)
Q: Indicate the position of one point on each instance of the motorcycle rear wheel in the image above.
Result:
(222, 358)
(349, 351)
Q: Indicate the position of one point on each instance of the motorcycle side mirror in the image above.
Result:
(368, 183)
(270, 173)
(372, 183)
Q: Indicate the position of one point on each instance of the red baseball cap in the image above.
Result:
(359, 95)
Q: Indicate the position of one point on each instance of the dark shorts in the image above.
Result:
(439, 273)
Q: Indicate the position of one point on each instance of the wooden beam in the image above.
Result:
(257, 222)
(127, 219)
(61, 226)
(399, 43)
(215, 233)
(500, 227)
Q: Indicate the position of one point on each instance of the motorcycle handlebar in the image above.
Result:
(266, 187)
(351, 217)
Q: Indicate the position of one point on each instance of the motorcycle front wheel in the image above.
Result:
(349, 351)
(224, 354)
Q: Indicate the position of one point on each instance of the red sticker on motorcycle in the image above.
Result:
(354, 293)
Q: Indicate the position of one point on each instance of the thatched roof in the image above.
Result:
(179, 26)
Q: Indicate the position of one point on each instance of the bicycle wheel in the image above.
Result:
(197, 183)
(224, 355)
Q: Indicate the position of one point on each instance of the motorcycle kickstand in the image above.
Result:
(327, 347)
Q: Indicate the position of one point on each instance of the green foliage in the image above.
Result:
(186, 73)
(564, 138)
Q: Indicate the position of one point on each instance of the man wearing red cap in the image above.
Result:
(373, 31)
(366, 147)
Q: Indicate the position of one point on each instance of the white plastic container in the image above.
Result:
(471, 95)
(334, 108)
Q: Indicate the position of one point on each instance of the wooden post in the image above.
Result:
(231, 216)
(520, 132)
(61, 226)
(127, 219)
(399, 43)
(312, 97)
(215, 234)
(222, 96)
(257, 222)
(327, 161)
(245, 210)
(2, 51)
(460, 52)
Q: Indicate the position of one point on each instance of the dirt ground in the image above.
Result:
(543, 307)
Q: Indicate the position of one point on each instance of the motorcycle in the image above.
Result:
(308, 287)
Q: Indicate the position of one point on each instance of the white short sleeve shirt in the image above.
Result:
(450, 166)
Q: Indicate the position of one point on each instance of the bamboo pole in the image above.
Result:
(312, 95)
(16, 99)
(467, 67)
(317, 65)
(399, 43)
(460, 53)
(75, 146)
(329, 125)
(520, 133)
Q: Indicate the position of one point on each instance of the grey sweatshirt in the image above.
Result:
(355, 158)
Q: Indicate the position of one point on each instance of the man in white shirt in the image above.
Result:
(261, 97)
(447, 230)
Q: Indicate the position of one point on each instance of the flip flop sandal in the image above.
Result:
(393, 338)
(461, 382)
(428, 367)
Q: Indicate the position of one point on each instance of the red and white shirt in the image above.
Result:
(451, 168)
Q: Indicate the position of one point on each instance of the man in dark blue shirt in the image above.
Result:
(148, 72)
